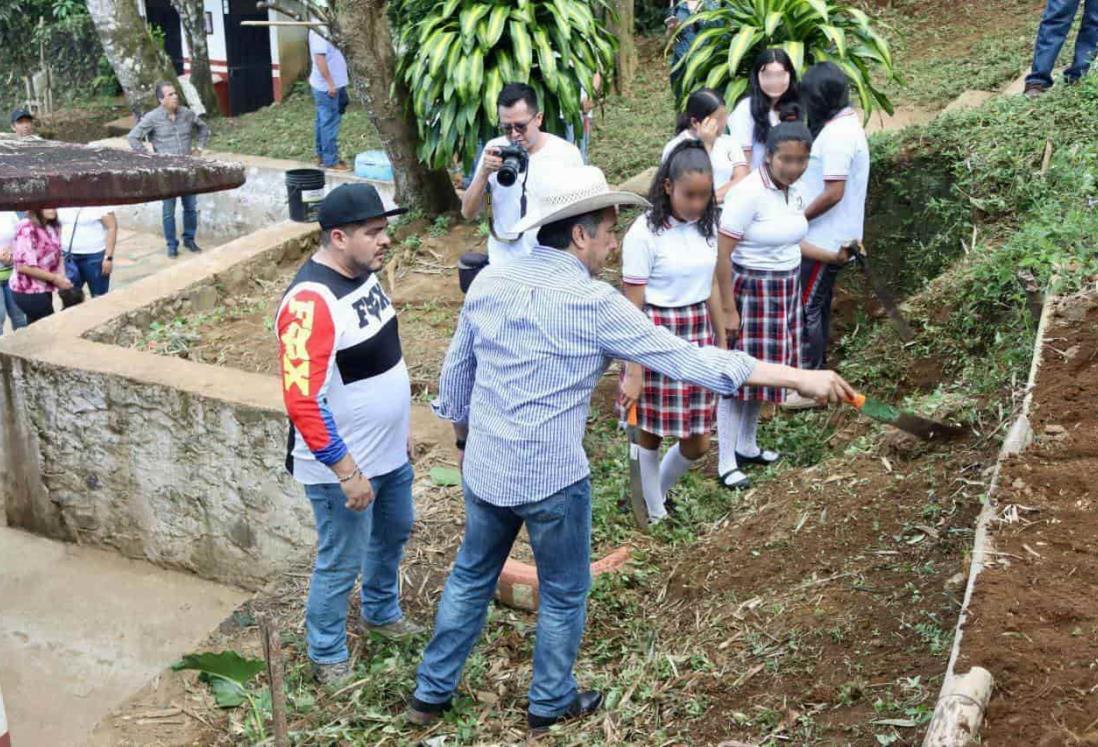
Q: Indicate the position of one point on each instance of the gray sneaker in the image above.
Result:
(396, 630)
(332, 675)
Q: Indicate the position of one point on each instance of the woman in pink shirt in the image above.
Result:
(36, 256)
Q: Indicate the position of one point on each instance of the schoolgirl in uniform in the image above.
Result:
(668, 259)
(706, 119)
(772, 84)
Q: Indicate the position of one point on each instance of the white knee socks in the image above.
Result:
(650, 482)
(673, 466)
(729, 416)
(747, 443)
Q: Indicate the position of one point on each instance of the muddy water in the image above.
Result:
(82, 628)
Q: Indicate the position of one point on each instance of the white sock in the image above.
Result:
(650, 482)
(728, 429)
(747, 441)
(673, 466)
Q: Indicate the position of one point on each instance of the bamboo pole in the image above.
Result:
(272, 651)
(960, 710)
(317, 24)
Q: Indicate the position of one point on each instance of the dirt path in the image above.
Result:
(1033, 621)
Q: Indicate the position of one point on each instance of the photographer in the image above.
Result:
(508, 164)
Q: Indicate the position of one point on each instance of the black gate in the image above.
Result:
(161, 15)
(248, 49)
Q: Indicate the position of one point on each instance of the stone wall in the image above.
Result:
(160, 458)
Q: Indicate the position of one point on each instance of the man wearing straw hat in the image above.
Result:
(533, 339)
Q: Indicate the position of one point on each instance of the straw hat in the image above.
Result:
(568, 192)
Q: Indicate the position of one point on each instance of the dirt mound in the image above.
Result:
(1033, 619)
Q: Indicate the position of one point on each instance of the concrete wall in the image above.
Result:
(223, 216)
(289, 52)
(161, 458)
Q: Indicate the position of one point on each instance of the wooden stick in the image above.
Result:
(1046, 159)
(960, 710)
(318, 24)
(272, 650)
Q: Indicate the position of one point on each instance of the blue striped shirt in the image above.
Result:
(533, 339)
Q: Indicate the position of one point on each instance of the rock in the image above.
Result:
(956, 582)
(204, 299)
(1055, 430)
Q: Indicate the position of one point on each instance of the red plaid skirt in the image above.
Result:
(769, 304)
(678, 409)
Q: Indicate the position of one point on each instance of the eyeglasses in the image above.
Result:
(517, 127)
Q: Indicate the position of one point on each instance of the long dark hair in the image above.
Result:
(760, 102)
(688, 157)
(38, 216)
(702, 103)
(826, 92)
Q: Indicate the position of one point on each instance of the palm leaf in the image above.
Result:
(836, 37)
(795, 50)
(742, 42)
(523, 47)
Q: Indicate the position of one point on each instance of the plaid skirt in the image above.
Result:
(671, 408)
(769, 304)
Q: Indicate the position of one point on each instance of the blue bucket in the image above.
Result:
(374, 164)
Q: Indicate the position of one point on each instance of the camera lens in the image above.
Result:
(508, 172)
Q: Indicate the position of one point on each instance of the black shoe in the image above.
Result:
(422, 713)
(172, 253)
(585, 704)
(193, 247)
(765, 457)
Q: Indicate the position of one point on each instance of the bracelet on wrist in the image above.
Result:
(356, 472)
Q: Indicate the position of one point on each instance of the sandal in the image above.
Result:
(740, 481)
(765, 457)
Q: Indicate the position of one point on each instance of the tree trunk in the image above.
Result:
(960, 710)
(361, 31)
(194, 28)
(627, 49)
(137, 61)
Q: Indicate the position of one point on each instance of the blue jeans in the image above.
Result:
(369, 542)
(1052, 33)
(190, 221)
(91, 273)
(329, 115)
(8, 308)
(560, 533)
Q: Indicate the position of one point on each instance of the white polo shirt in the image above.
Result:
(82, 228)
(725, 156)
(675, 263)
(839, 153)
(767, 222)
(554, 153)
(337, 65)
(742, 127)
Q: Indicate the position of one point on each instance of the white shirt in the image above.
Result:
(675, 264)
(767, 222)
(725, 156)
(87, 223)
(337, 65)
(7, 233)
(742, 127)
(839, 153)
(554, 153)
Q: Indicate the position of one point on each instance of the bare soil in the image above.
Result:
(1033, 620)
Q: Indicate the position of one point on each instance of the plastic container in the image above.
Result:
(304, 191)
(374, 164)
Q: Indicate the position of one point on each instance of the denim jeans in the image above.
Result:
(190, 221)
(817, 288)
(329, 114)
(91, 272)
(369, 542)
(8, 308)
(1052, 33)
(560, 533)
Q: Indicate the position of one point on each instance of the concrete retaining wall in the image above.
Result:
(160, 458)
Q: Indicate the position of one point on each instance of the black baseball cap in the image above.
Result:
(353, 203)
(18, 114)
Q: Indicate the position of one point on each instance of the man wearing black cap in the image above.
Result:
(22, 123)
(348, 396)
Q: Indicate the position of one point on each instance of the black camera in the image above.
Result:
(515, 160)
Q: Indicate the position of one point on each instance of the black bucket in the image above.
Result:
(304, 191)
(468, 267)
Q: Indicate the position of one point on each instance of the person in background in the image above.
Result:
(835, 185)
(668, 260)
(1051, 35)
(759, 260)
(772, 84)
(171, 129)
(678, 14)
(22, 123)
(348, 397)
(36, 256)
(587, 105)
(706, 119)
(520, 120)
(89, 235)
(328, 79)
(8, 307)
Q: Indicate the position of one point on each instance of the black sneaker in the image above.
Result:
(422, 713)
(585, 704)
(1033, 90)
(193, 247)
(172, 253)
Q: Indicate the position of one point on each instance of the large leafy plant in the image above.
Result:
(459, 54)
(810, 31)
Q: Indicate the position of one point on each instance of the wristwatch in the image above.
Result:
(460, 444)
